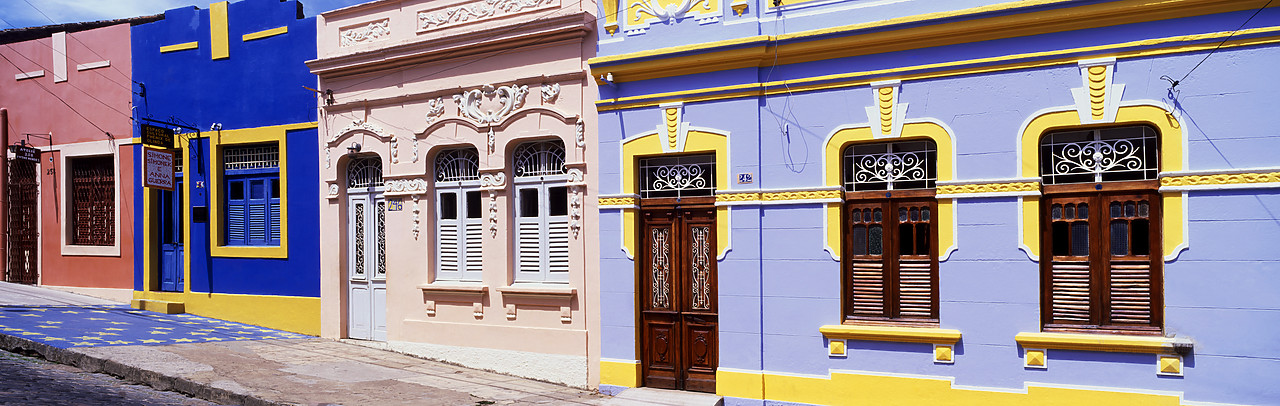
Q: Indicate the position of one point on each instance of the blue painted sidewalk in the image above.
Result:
(103, 325)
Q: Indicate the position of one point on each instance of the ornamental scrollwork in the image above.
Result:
(617, 201)
(1221, 179)
(511, 97)
(669, 12)
(414, 186)
(678, 177)
(495, 180)
(480, 10)
(550, 92)
(989, 188)
(890, 167)
(737, 197)
(435, 109)
(1097, 157)
(580, 134)
(801, 195)
(358, 124)
(368, 33)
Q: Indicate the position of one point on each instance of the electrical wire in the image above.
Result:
(77, 40)
(1174, 83)
(73, 86)
(64, 102)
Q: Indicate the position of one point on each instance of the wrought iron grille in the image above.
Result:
(24, 238)
(262, 156)
(457, 165)
(93, 216)
(539, 158)
(680, 176)
(365, 171)
(891, 166)
(381, 270)
(1108, 154)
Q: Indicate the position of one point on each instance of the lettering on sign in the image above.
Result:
(745, 178)
(159, 169)
(25, 153)
(395, 205)
(159, 137)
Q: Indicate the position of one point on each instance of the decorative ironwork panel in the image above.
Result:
(359, 239)
(701, 267)
(93, 201)
(24, 238)
(681, 176)
(382, 240)
(890, 166)
(458, 165)
(1111, 154)
(660, 266)
(263, 156)
(364, 172)
(539, 159)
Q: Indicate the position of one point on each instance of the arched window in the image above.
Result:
(542, 212)
(890, 232)
(459, 218)
(1101, 227)
(364, 172)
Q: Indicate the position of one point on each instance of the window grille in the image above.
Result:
(1108, 154)
(539, 159)
(365, 171)
(93, 201)
(680, 176)
(457, 165)
(890, 166)
(251, 157)
(178, 154)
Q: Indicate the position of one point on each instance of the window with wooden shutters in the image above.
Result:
(542, 212)
(93, 197)
(459, 216)
(1101, 230)
(252, 182)
(890, 232)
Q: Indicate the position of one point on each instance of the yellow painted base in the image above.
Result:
(289, 313)
(620, 373)
(864, 389)
(158, 306)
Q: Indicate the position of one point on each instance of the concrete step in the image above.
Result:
(664, 397)
(159, 306)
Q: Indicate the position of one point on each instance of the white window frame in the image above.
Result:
(548, 270)
(69, 152)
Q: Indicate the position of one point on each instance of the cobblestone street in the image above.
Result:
(30, 381)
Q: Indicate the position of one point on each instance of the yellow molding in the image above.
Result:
(840, 42)
(891, 333)
(737, 197)
(800, 195)
(179, 47)
(618, 201)
(989, 188)
(265, 33)
(218, 32)
(1221, 179)
(939, 70)
(1099, 342)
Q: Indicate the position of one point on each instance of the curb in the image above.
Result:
(153, 379)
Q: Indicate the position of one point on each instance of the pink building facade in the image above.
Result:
(456, 153)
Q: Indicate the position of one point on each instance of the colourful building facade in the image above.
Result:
(70, 223)
(457, 214)
(916, 202)
(231, 80)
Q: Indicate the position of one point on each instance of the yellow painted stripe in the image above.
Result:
(891, 333)
(179, 47)
(221, 48)
(266, 33)
(862, 78)
(1096, 342)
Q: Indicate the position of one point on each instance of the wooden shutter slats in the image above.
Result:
(1070, 291)
(868, 287)
(915, 280)
(1130, 292)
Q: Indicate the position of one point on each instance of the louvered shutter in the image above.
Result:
(474, 237)
(1132, 267)
(529, 242)
(448, 244)
(1071, 273)
(865, 241)
(914, 245)
(558, 249)
(236, 222)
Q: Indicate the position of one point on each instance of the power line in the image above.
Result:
(64, 102)
(1174, 83)
(73, 86)
(73, 38)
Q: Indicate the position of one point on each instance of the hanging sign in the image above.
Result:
(155, 136)
(158, 166)
(25, 153)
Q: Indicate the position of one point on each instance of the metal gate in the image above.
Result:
(23, 234)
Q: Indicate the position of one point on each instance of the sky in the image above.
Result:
(28, 13)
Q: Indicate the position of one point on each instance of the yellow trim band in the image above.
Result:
(891, 333)
(1100, 342)
(619, 373)
(179, 47)
(289, 313)
(1220, 179)
(220, 47)
(265, 33)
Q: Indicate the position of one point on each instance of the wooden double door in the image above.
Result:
(679, 340)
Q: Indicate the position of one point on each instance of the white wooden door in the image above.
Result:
(367, 267)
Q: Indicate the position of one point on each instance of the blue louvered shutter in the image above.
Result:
(236, 215)
(258, 212)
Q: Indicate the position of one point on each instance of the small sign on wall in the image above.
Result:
(159, 169)
(745, 178)
(395, 205)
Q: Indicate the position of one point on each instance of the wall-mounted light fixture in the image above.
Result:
(353, 149)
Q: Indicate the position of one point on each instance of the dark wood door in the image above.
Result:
(679, 348)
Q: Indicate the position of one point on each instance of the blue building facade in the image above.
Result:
(232, 79)
(913, 202)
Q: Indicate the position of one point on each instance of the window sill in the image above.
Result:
(539, 290)
(1104, 342)
(455, 288)
(931, 335)
(251, 251)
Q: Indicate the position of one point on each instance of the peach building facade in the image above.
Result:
(457, 150)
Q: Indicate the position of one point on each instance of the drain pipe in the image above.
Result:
(4, 193)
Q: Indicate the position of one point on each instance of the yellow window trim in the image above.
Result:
(1173, 158)
(179, 47)
(911, 130)
(1102, 342)
(929, 335)
(219, 139)
(699, 140)
(265, 33)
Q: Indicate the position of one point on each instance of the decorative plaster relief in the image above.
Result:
(1225, 179)
(443, 17)
(395, 151)
(360, 34)
(1001, 188)
(618, 201)
(406, 186)
(885, 114)
(435, 109)
(416, 218)
(415, 151)
(1098, 100)
(550, 92)
(358, 124)
(333, 190)
(577, 181)
(672, 130)
(800, 195)
(639, 14)
(669, 12)
(493, 182)
(510, 97)
(579, 134)
(326, 158)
